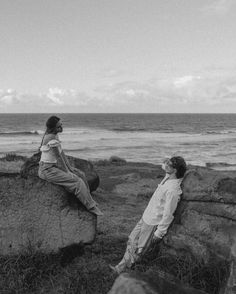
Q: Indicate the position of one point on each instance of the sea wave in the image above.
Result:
(220, 165)
(77, 149)
(124, 129)
(148, 130)
(219, 132)
(20, 133)
(172, 130)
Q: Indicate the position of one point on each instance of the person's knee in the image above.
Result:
(80, 187)
(41, 175)
(74, 179)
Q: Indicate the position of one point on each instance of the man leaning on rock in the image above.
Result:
(157, 216)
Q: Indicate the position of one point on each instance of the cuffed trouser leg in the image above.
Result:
(139, 241)
(70, 182)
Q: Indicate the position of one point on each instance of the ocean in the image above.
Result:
(202, 139)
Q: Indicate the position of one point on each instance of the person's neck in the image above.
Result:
(171, 176)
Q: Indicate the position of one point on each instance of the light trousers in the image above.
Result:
(138, 243)
(71, 182)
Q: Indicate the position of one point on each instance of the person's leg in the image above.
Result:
(81, 175)
(70, 182)
(129, 256)
(139, 240)
(145, 238)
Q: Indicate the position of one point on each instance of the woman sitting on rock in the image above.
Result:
(55, 168)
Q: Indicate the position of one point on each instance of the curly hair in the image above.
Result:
(180, 165)
(51, 123)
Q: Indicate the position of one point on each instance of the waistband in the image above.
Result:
(47, 164)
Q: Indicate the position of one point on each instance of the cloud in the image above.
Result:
(8, 97)
(109, 73)
(56, 95)
(211, 87)
(183, 81)
(218, 7)
(206, 88)
(54, 98)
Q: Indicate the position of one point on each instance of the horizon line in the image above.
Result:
(118, 112)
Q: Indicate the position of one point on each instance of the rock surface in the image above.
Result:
(30, 167)
(125, 284)
(128, 284)
(36, 215)
(205, 222)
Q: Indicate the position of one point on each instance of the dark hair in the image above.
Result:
(51, 123)
(180, 165)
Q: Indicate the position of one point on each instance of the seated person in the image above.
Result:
(55, 168)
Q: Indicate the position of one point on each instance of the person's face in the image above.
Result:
(59, 128)
(167, 166)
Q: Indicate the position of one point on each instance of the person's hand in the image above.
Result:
(72, 169)
(156, 239)
(82, 174)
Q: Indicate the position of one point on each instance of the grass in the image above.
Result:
(25, 273)
(40, 273)
(11, 162)
(186, 269)
(89, 273)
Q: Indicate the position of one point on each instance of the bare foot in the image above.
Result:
(96, 210)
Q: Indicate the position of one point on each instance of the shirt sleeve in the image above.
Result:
(172, 199)
(54, 143)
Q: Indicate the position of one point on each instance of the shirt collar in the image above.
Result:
(166, 179)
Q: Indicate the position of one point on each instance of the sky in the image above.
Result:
(118, 56)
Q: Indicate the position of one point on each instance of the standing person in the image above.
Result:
(55, 168)
(157, 216)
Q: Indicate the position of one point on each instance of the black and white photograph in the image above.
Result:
(117, 146)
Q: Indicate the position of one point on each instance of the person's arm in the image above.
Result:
(172, 199)
(59, 156)
(66, 161)
(55, 147)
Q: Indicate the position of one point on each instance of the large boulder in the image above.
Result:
(126, 284)
(38, 216)
(205, 222)
(30, 167)
(130, 284)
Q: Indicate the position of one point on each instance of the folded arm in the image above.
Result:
(59, 156)
(172, 199)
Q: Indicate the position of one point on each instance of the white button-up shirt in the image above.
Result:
(162, 205)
